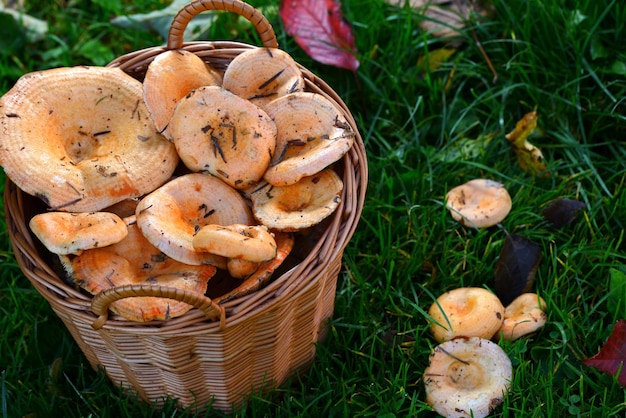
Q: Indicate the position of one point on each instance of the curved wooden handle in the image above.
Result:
(101, 301)
(182, 18)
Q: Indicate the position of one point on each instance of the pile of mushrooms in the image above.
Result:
(192, 171)
(469, 374)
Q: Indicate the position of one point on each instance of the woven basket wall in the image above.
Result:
(269, 334)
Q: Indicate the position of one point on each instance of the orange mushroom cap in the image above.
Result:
(170, 216)
(466, 312)
(71, 233)
(100, 146)
(133, 261)
(311, 135)
(218, 132)
(170, 77)
(262, 75)
(247, 242)
(479, 203)
(300, 205)
(524, 315)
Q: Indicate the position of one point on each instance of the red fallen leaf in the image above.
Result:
(612, 355)
(319, 27)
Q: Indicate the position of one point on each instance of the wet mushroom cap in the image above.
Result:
(479, 203)
(311, 135)
(135, 261)
(170, 77)
(466, 312)
(298, 206)
(524, 315)
(467, 377)
(71, 233)
(170, 216)
(100, 146)
(247, 242)
(218, 132)
(262, 75)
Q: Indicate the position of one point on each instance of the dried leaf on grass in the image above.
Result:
(445, 18)
(320, 29)
(516, 267)
(561, 212)
(612, 356)
(529, 157)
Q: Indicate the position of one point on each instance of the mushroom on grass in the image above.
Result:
(80, 138)
(525, 315)
(467, 377)
(479, 203)
(466, 312)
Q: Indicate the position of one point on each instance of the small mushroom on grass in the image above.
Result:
(466, 312)
(479, 203)
(525, 315)
(467, 377)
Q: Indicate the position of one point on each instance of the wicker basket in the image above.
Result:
(267, 335)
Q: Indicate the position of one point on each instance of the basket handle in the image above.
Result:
(182, 18)
(101, 301)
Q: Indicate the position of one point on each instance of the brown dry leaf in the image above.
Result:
(529, 157)
(445, 18)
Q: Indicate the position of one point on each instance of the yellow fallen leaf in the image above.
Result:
(434, 59)
(529, 157)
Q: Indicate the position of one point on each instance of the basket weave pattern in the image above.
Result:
(268, 335)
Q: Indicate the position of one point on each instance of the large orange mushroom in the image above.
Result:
(80, 138)
(218, 132)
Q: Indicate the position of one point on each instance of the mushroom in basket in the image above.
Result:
(311, 135)
(262, 75)
(170, 77)
(218, 132)
(134, 261)
(170, 216)
(80, 138)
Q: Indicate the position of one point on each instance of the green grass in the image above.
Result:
(564, 59)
